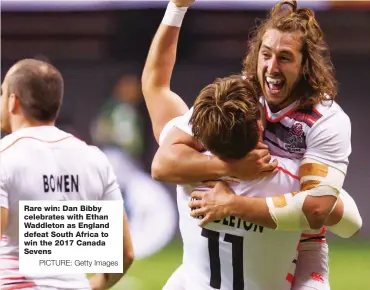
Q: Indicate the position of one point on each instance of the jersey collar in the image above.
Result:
(278, 116)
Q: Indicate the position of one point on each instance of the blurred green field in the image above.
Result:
(349, 267)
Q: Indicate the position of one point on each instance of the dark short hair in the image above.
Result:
(39, 87)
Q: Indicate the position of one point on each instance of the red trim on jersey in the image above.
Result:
(323, 232)
(303, 117)
(8, 258)
(230, 180)
(323, 241)
(20, 286)
(290, 278)
(9, 269)
(28, 137)
(317, 112)
(281, 117)
(14, 278)
(288, 172)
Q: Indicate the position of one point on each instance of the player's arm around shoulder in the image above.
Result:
(179, 160)
(321, 184)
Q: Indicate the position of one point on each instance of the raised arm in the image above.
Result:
(162, 103)
(179, 151)
(178, 159)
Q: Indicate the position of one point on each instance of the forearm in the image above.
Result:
(181, 164)
(310, 207)
(290, 211)
(161, 58)
(253, 210)
(163, 104)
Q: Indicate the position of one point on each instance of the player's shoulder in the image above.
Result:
(175, 122)
(6, 142)
(30, 136)
(331, 117)
(97, 155)
(330, 110)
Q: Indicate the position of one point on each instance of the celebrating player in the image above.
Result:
(31, 97)
(212, 101)
(288, 64)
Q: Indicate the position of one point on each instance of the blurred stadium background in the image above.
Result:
(100, 47)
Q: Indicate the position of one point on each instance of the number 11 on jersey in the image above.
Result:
(214, 258)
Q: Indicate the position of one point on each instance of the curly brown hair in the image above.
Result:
(318, 82)
(225, 117)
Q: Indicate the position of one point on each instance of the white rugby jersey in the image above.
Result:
(29, 159)
(232, 254)
(322, 133)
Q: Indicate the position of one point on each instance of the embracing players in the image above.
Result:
(226, 121)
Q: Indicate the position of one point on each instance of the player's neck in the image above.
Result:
(290, 100)
(23, 123)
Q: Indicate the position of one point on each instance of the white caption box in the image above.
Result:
(69, 237)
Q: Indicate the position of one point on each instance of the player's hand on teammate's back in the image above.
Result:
(255, 164)
(183, 3)
(213, 204)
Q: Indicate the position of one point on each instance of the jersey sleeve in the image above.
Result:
(3, 190)
(329, 141)
(181, 122)
(111, 188)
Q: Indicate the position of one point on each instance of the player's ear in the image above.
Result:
(260, 126)
(261, 129)
(13, 104)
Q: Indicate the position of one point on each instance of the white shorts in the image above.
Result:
(176, 281)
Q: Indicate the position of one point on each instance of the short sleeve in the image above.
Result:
(181, 122)
(111, 188)
(329, 141)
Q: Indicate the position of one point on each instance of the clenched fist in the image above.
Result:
(183, 3)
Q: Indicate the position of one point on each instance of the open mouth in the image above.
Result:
(274, 85)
